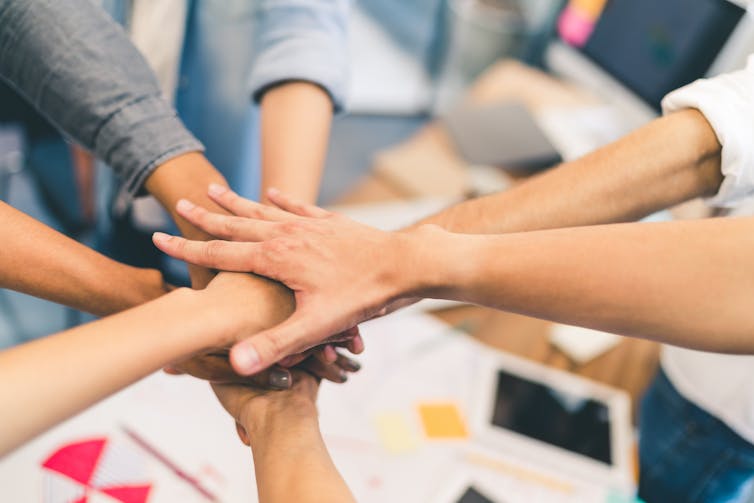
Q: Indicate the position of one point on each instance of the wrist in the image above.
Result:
(422, 261)
(265, 416)
(149, 285)
(429, 257)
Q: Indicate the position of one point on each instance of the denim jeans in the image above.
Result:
(687, 455)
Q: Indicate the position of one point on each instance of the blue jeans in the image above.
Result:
(686, 454)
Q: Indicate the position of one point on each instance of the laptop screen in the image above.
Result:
(560, 418)
(651, 46)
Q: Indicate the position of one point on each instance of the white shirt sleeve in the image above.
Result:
(727, 102)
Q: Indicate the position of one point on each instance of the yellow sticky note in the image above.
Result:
(395, 433)
(442, 420)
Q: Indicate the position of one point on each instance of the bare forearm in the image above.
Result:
(296, 121)
(187, 176)
(290, 459)
(671, 160)
(39, 261)
(684, 283)
(51, 379)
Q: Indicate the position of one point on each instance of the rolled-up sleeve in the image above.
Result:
(302, 40)
(727, 102)
(79, 69)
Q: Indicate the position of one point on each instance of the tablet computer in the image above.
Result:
(553, 417)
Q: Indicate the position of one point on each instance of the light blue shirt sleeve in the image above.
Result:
(302, 40)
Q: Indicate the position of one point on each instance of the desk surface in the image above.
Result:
(633, 362)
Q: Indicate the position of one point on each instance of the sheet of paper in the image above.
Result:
(179, 416)
(582, 344)
(410, 360)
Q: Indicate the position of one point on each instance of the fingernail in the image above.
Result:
(280, 379)
(273, 191)
(330, 354)
(161, 238)
(184, 206)
(351, 365)
(246, 360)
(216, 189)
(343, 376)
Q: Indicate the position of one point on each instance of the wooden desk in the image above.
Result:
(630, 365)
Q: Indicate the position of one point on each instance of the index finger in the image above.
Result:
(225, 255)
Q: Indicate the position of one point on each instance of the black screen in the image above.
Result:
(656, 46)
(565, 420)
(473, 496)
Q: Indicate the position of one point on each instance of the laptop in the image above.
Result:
(631, 53)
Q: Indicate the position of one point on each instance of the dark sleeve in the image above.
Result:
(80, 70)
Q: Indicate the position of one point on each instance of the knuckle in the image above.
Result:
(290, 227)
(230, 227)
(275, 247)
(211, 250)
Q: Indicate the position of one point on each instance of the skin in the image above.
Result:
(321, 256)
(187, 176)
(138, 342)
(72, 274)
(295, 126)
(280, 427)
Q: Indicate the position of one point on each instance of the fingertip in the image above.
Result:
(356, 345)
(330, 354)
(280, 379)
(245, 359)
(184, 206)
(160, 239)
(216, 190)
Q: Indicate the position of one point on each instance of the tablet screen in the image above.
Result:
(563, 419)
(473, 496)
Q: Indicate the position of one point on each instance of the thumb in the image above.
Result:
(269, 346)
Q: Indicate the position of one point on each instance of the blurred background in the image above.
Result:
(447, 99)
(408, 61)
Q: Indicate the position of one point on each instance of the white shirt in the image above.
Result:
(723, 385)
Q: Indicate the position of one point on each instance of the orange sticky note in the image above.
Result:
(442, 420)
(592, 8)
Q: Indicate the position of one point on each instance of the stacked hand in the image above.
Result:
(264, 303)
(340, 271)
(249, 405)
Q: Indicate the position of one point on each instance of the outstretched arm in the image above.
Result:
(670, 160)
(676, 282)
(58, 376)
(685, 283)
(39, 261)
(290, 459)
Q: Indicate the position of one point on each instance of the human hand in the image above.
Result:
(341, 272)
(252, 304)
(215, 367)
(250, 405)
